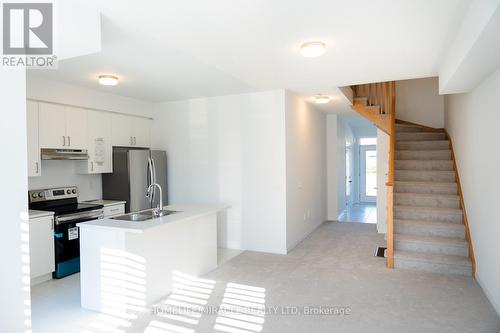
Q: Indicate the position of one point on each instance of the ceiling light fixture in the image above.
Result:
(108, 80)
(322, 99)
(312, 49)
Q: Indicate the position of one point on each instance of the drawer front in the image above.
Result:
(114, 210)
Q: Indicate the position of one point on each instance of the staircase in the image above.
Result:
(427, 228)
(429, 233)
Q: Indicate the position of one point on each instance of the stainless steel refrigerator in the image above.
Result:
(133, 171)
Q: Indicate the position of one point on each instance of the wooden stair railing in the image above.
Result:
(377, 103)
(374, 102)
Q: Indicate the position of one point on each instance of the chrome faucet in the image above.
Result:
(158, 210)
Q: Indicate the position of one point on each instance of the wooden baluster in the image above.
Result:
(369, 94)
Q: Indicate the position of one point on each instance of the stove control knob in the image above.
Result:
(68, 191)
(33, 195)
(74, 191)
(40, 194)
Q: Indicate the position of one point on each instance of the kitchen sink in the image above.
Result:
(143, 216)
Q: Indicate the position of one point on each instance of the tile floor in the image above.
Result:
(332, 271)
(360, 213)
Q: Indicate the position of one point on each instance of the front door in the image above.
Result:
(368, 174)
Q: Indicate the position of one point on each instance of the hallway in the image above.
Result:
(360, 213)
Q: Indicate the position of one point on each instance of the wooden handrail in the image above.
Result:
(382, 94)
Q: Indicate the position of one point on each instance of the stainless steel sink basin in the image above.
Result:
(143, 216)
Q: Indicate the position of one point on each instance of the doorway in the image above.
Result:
(367, 173)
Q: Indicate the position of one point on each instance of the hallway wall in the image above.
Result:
(472, 121)
(305, 168)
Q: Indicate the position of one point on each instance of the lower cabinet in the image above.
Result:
(114, 210)
(42, 257)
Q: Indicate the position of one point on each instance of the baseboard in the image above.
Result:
(488, 294)
(294, 244)
(232, 246)
(41, 279)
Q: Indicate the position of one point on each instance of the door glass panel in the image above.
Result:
(371, 173)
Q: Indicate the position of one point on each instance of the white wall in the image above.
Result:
(418, 101)
(230, 149)
(472, 121)
(383, 142)
(332, 166)
(345, 138)
(305, 168)
(62, 173)
(14, 283)
(338, 134)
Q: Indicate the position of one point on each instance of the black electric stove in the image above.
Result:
(68, 212)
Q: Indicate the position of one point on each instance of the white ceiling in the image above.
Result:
(171, 50)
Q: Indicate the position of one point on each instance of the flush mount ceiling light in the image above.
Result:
(312, 49)
(322, 99)
(108, 80)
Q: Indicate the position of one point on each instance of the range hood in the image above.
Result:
(64, 154)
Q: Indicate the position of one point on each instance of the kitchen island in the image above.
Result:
(132, 264)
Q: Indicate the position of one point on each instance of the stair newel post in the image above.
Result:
(390, 181)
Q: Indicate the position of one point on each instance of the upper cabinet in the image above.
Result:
(62, 127)
(34, 160)
(131, 131)
(99, 145)
(56, 126)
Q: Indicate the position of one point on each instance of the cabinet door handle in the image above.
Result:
(52, 224)
(37, 167)
(69, 141)
(91, 165)
(64, 141)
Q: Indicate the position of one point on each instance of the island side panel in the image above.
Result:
(96, 248)
(188, 246)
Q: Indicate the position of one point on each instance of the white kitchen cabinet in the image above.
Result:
(76, 127)
(99, 144)
(34, 159)
(52, 126)
(42, 261)
(141, 132)
(62, 127)
(122, 130)
(131, 131)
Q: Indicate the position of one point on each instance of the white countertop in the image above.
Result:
(185, 212)
(105, 202)
(39, 213)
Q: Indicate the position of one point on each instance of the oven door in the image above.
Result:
(67, 241)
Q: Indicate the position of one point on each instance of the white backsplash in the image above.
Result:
(62, 173)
